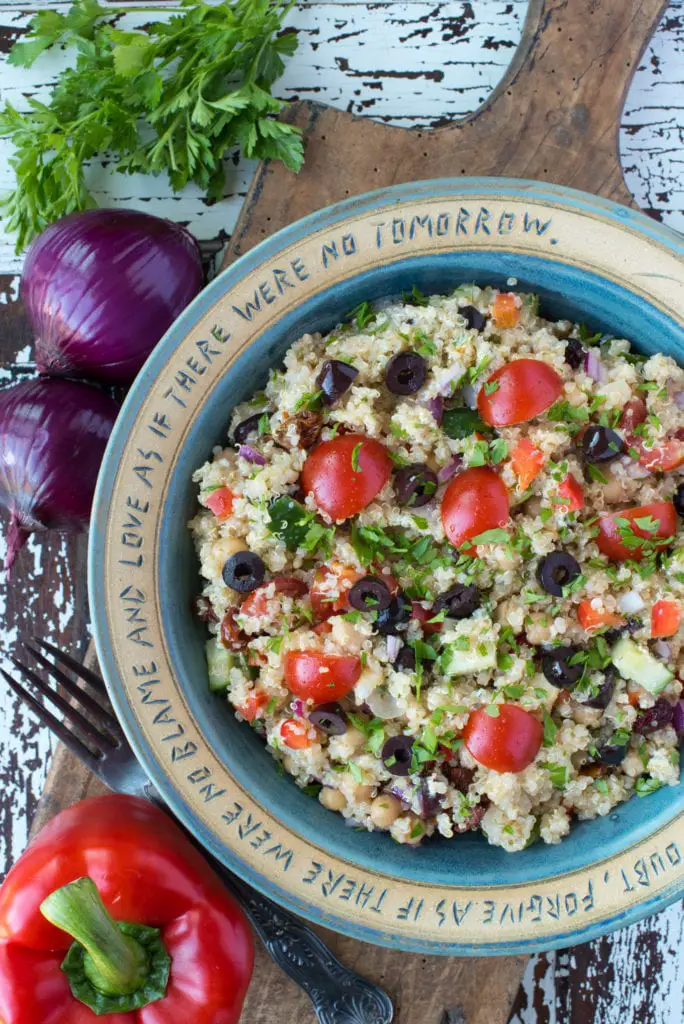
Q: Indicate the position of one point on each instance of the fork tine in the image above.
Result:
(75, 666)
(101, 715)
(68, 738)
(72, 714)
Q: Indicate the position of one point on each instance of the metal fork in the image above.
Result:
(91, 731)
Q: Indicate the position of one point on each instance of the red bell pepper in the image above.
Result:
(179, 952)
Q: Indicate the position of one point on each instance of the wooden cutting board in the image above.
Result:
(554, 117)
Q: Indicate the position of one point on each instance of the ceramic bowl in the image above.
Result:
(591, 261)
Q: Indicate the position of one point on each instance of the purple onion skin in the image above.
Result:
(102, 287)
(53, 434)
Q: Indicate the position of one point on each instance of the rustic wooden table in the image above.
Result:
(407, 62)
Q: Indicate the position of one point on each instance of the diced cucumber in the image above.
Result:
(458, 660)
(219, 663)
(639, 665)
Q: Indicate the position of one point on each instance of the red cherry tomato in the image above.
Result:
(507, 743)
(526, 462)
(257, 602)
(634, 413)
(321, 677)
(525, 388)
(610, 542)
(345, 474)
(423, 616)
(253, 704)
(666, 617)
(663, 457)
(572, 491)
(295, 735)
(339, 577)
(221, 502)
(475, 501)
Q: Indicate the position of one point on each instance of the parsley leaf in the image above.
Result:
(172, 97)
(462, 422)
(550, 730)
(298, 528)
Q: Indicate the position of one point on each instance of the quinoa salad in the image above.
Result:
(443, 568)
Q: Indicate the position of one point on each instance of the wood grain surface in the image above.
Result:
(405, 62)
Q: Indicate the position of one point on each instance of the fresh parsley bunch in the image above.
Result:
(173, 97)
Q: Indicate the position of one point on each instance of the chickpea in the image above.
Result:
(416, 831)
(613, 490)
(223, 549)
(354, 738)
(332, 798)
(538, 631)
(385, 810)
(363, 793)
(289, 765)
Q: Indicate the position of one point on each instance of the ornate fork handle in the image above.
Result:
(339, 995)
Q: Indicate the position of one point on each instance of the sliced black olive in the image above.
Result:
(243, 571)
(556, 571)
(678, 500)
(247, 427)
(612, 753)
(405, 373)
(602, 699)
(329, 719)
(370, 594)
(395, 618)
(575, 353)
(398, 751)
(405, 660)
(334, 379)
(557, 668)
(473, 317)
(460, 601)
(601, 444)
(415, 485)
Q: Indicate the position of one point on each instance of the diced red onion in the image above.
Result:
(630, 602)
(102, 287)
(679, 399)
(594, 368)
(446, 472)
(298, 707)
(663, 649)
(429, 804)
(251, 455)
(383, 705)
(469, 393)
(633, 469)
(436, 407)
(678, 717)
(446, 385)
(393, 647)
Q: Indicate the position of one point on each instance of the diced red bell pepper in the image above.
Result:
(505, 310)
(591, 619)
(571, 490)
(527, 462)
(121, 856)
(221, 502)
(666, 617)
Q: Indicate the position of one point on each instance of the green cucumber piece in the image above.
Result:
(219, 663)
(640, 666)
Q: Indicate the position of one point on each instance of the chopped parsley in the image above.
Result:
(310, 401)
(462, 422)
(298, 528)
(355, 457)
(557, 773)
(645, 785)
(550, 730)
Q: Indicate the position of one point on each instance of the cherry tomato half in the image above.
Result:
(663, 457)
(666, 617)
(257, 602)
(252, 706)
(295, 735)
(422, 616)
(475, 501)
(571, 490)
(336, 577)
(507, 743)
(321, 677)
(524, 389)
(634, 413)
(346, 473)
(610, 542)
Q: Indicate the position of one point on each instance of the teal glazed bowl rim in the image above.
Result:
(568, 289)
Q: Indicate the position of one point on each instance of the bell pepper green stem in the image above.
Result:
(114, 963)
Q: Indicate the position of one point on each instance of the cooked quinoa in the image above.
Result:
(423, 583)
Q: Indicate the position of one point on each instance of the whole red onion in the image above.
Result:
(102, 287)
(53, 434)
